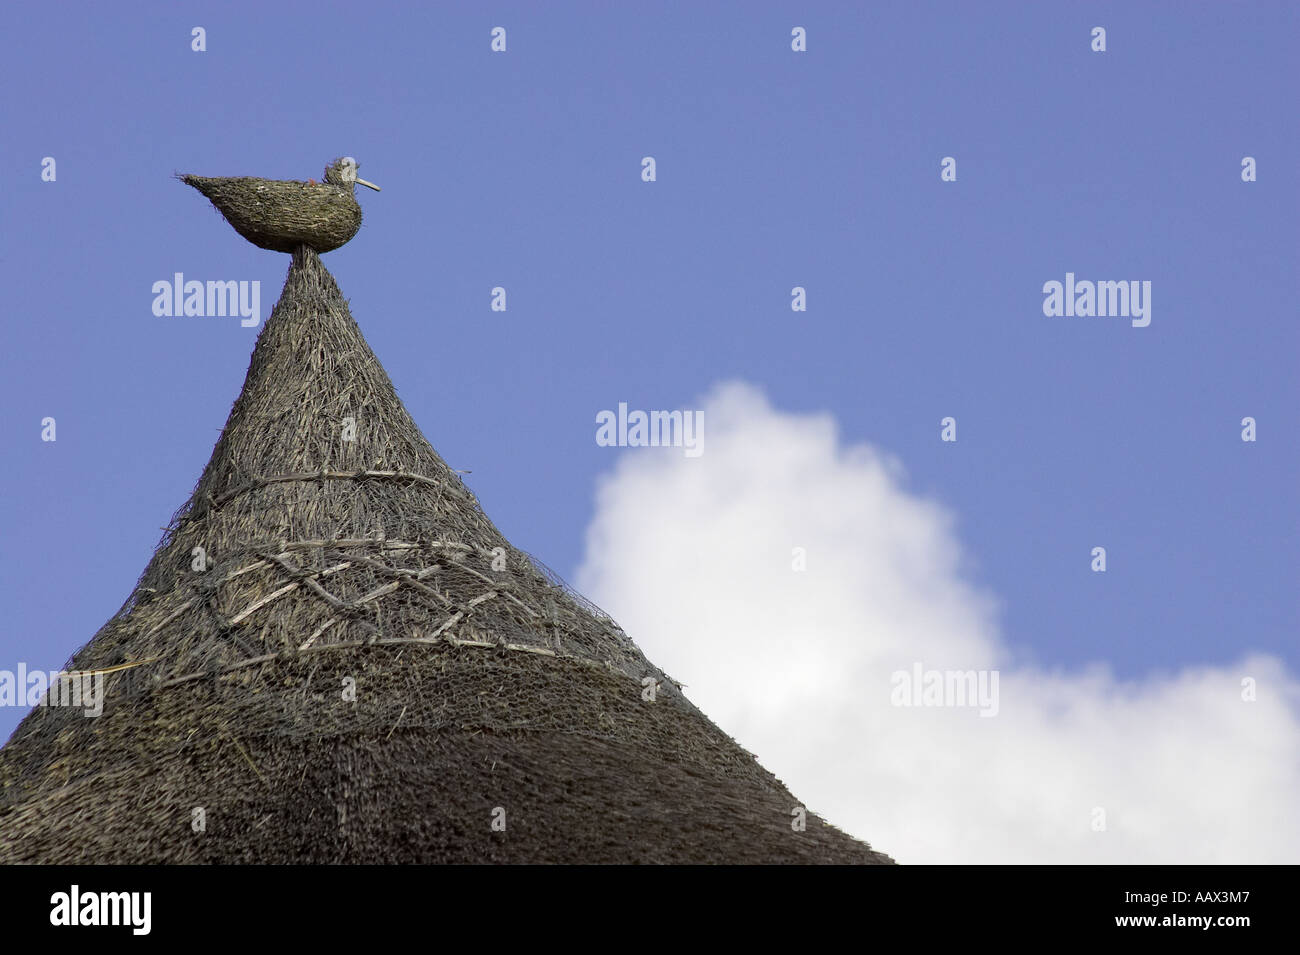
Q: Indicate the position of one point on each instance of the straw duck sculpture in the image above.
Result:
(281, 215)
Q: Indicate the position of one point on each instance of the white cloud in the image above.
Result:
(693, 557)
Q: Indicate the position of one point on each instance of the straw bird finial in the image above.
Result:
(282, 215)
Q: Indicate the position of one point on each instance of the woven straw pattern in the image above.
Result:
(339, 549)
(282, 215)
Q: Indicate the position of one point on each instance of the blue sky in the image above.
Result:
(775, 169)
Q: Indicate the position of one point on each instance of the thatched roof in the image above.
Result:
(480, 682)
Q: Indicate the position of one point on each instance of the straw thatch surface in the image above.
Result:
(281, 215)
(477, 686)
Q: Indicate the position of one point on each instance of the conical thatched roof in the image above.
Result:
(483, 689)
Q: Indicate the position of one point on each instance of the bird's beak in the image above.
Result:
(362, 182)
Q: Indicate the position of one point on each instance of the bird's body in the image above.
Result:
(281, 215)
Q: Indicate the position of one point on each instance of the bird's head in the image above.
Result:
(343, 172)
